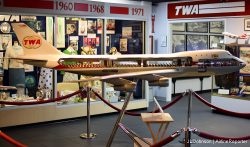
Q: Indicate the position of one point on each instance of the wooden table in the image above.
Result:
(163, 119)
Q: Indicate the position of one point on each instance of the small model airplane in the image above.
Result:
(115, 69)
(234, 36)
(7, 87)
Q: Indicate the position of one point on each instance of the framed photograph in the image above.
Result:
(91, 26)
(178, 43)
(199, 27)
(70, 28)
(247, 24)
(5, 41)
(123, 44)
(197, 42)
(216, 41)
(244, 55)
(99, 26)
(82, 28)
(110, 26)
(127, 32)
(178, 27)
(216, 27)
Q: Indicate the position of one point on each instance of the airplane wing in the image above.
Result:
(154, 77)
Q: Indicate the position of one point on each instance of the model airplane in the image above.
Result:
(156, 69)
(234, 36)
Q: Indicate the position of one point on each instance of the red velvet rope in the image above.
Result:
(214, 137)
(11, 140)
(137, 114)
(245, 115)
(42, 101)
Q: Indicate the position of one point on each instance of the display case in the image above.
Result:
(91, 31)
(232, 91)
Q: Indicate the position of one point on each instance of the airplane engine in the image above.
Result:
(126, 87)
(161, 82)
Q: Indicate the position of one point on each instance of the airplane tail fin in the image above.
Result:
(32, 42)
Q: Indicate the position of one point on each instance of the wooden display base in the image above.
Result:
(143, 144)
(163, 119)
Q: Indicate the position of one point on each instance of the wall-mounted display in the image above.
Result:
(49, 30)
(178, 43)
(60, 32)
(6, 41)
(197, 42)
(5, 27)
(82, 28)
(216, 41)
(127, 32)
(124, 45)
(247, 24)
(91, 26)
(70, 28)
(99, 26)
(201, 27)
(244, 55)
(178, 27)
(110, 27)
(28, 18)
(216, 27)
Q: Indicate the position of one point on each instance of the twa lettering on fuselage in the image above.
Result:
(187, 10)
(32, 42)
(10, 18)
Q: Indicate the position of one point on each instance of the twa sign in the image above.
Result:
(32, 42)
(208, 8)
(187, 10)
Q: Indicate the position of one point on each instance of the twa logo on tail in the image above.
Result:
(32, 42)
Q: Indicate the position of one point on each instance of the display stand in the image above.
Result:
(88, 135)
(119, 119)
(163, 119)
(187, 139)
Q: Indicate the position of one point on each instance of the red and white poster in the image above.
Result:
(208, 8)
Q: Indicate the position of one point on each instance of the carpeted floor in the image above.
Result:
(66, 133)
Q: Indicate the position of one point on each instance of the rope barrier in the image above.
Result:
(214, 137)
(245, 115)
(11, 140)
(137, 114)
(42, 101)
(167, 140)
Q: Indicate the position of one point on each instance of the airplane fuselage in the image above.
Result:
(183, 64)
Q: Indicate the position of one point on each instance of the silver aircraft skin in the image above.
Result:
(155, 68)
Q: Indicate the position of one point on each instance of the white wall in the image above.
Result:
(160, 35)
(236, 26)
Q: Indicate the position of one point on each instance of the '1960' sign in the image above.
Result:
(32, 42)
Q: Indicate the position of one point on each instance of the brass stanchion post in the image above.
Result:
(88, 135)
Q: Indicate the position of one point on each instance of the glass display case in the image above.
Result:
(124, 37)
(232, 91)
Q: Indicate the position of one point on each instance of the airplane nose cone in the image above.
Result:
(242, 64)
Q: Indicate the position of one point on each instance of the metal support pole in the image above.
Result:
(119, 119)
(187, 139)
(188, 133)
(88, 135)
